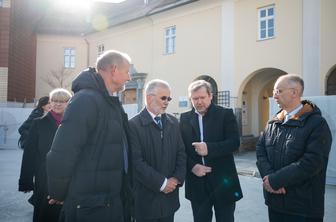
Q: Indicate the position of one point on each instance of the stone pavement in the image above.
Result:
(15, 208)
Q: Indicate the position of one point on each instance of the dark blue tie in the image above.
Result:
(158, 121)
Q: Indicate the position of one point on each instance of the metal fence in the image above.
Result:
(223, 98)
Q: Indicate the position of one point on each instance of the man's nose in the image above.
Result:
(128, 77)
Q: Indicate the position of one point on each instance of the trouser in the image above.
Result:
(275, 216)
(202, 211)
(163, 219)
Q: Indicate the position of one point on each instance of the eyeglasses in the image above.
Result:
(279, 91)
(166, 98)
(59, 101)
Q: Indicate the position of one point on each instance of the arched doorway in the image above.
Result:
(213, 85)
(255, 93)
(331, 82)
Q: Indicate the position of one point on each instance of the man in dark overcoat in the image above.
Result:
(158, 157)
(210, 135)
(292, 156)
(88, 161)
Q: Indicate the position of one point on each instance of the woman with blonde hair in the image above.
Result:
(33, 176)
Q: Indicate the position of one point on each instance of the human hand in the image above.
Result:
(269, 188)
(200, 170)
(200, 148)
(171, 185)
(54, 201)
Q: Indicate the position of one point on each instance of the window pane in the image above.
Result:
(173, 44)
(167, 45)
(263, 34)
(270, 23)
(263, 25)
(72, 61)
(262, 13)
(167, 32)
(66, 62)
(173, 30)
(72, 51)
(270, 11)
(270, 32)
(66, 51)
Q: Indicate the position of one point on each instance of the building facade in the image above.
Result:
(240, 46)
(4, 45)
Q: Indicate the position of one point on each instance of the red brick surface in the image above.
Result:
(4, 36)
(22, 50)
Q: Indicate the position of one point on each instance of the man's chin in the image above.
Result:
(122, 88)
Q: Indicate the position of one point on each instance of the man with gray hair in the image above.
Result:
(210, 134)
(159, 158)
(292, 156)
(88, 165)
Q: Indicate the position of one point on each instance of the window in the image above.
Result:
(266, 22)
(170, 40)
(101, 49)
(69, 58)
(1, 3)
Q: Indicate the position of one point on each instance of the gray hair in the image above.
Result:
(196, 85)
(112, 57)
(152, 86)
(60, 94)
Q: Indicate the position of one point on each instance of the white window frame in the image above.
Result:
(266, 19)
(170, 40)
(69, 58)
(100, 49)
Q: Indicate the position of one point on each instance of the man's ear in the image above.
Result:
(112, 68)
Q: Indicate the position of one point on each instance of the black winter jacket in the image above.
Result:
(33, 174)
(86, 163)
(25, 127)
(295, 156)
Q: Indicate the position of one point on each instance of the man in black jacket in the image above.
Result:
(210, 134)
(88, 161)
(292, 156)
(158, 157)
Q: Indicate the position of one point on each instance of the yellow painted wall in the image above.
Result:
(283, 52)
(50, 56)
(328, 37)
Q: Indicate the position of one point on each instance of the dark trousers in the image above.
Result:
(163, 219)
(202, 211)
(275, 216)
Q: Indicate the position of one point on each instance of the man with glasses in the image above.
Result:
(210, 134)
(159, 158)
(292, 156)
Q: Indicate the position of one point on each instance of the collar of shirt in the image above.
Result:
(295, 111)
(198, 113)
(153, 115)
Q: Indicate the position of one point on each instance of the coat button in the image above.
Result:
(78, 206)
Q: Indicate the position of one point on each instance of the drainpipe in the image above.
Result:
(87, 52)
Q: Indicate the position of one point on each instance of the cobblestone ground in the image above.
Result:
(15, 208)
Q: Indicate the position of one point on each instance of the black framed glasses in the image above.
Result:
(166, 98)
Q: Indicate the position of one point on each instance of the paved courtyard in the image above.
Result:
(15, 208)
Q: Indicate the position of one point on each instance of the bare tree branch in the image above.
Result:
(58, 78)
